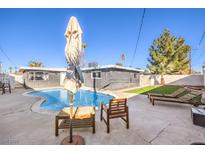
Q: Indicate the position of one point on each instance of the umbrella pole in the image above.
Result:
(72, 139)
(71, 117)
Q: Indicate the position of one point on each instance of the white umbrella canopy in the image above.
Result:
(73, 48)
(74, 41)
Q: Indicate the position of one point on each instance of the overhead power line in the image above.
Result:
(201, 39)
(142, 19)
(198, 48)
(9, 59)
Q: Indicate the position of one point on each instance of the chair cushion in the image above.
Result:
(81, 112)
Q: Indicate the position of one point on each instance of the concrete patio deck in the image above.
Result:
(165, 123)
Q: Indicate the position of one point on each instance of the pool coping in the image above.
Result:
(35, 107)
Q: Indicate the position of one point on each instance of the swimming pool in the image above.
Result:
(57, 99)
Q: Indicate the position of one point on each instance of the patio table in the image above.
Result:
(198, 116)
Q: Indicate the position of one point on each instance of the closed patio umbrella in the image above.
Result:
(74, 78)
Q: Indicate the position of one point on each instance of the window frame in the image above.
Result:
(34, 75)
(135, 75)
(96, 77)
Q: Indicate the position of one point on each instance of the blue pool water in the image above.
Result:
(57, 99)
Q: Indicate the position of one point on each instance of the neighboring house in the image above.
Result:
(111, 77)
(102, 77)
(41, 77)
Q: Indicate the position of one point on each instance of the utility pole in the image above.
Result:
(84, 45)
(190, 53)
(83, 57)
(0, 67)
(190, 65)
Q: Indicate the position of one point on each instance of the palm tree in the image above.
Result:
(84, 45)
(35, 64)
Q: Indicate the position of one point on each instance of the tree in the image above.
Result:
(35, 64)
(119, 64)
(146, 71)
(84, 45)
(169, 55)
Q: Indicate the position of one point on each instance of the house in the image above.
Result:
(111, 77)
(102, 77)
(42, 77)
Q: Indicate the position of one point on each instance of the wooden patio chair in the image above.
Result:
(7, 86)
(185, 99)
(2, 87)
(83, 117)
(175, 94)
(117, 108)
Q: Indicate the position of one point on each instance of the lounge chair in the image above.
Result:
(82, 117)
(185, 99)
(117, 109)
(175, 94)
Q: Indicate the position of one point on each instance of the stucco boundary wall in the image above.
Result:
(192, 80)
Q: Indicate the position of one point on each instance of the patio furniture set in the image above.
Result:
(117, 108)
(85, 116)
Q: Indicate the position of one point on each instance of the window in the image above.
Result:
(96, 75)
(41, 76)
(38, 76)
(31, 75)
(45, 76)
(135, 75)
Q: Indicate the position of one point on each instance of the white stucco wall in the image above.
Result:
(193, 80)
(18, 78)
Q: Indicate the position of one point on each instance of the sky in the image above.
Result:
(38, 34)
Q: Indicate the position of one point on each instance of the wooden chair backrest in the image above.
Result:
(1, 84)
(117, 105)
(191, 95)
(195, 92)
